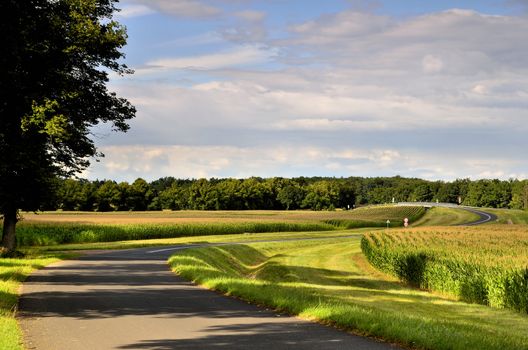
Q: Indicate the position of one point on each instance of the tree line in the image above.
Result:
(315, 193)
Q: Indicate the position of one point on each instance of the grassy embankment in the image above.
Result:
(331, 282)
(439, 216)
(377, 216)
(510, 216)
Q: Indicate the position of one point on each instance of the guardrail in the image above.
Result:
(428, 204)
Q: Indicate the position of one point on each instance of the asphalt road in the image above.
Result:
(129, 299)
(484, 217)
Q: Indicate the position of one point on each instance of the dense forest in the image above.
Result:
(314, 193)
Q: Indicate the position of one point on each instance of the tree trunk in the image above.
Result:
(8, 234)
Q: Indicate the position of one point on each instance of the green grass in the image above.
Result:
(330, 281)
(377, 216)
(510, 216)
(12, 273)
(55, 228)
(246, 237)
(15, 271)
(438, 216)
(45, 234)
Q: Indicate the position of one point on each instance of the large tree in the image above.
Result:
(54, 67)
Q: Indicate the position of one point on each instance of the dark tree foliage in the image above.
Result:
(277, 193)
(54, 68)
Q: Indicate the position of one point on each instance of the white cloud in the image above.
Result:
(469, 42)
(387, 156)
(432, 64)
(134, 11)
(246, 105)
(420, 96)
(179, 8)
(251, 16)
(202, 39)
(323, 124)
(132, 161)
(480, 89)
(243, 55)
(249, 27)
(344, 24)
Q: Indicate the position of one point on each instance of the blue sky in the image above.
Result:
(239, 88)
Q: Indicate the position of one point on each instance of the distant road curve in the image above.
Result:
(484, 217)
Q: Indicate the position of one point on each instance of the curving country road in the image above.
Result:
(484, 217)
(129, 299)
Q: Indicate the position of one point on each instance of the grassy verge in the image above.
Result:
(438, 216)
(332, 282)
(510, 216)
(12, 273)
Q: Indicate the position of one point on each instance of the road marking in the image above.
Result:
(487, 218)
(168, 249)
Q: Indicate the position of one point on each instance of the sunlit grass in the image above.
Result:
(377, 216)
(55, 228)
(510, 216)
(439, 216)
(332, 283)
(245, 237)
(329, 281)
(45, 234)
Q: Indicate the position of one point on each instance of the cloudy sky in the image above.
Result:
(239, 88)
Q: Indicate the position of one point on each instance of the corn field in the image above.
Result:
(486, 265)
(44, 234)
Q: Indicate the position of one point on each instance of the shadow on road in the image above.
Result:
(151, 308)
(130, 298)
(276, 336)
